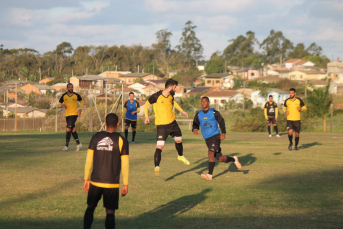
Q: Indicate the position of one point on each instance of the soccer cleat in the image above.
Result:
(78, 147)
(183, 159)
(238, 165)
(278, 135)
(206, 176)
(270, 135)
(133, 142)
(296, 148)
(65, 148)
(157, 171)
(290, 147)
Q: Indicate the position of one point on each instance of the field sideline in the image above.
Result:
(42, 187)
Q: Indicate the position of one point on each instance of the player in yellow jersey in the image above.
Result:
(271, 113)
(107, 154)
(69, 101)
(163, 102)
(292, 108)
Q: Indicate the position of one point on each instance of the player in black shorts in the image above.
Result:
(107, 154)
(208, 120)
(271, 113)
(131, 109)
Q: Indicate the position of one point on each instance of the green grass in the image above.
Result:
(42, 187)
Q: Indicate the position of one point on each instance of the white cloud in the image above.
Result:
(20, 17)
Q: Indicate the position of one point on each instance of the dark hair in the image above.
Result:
(270, 96)
(171, 82)
(131, 93)
(111, 120)
(205, 97)
(70, 84)
(292, 89)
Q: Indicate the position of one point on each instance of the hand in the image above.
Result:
(80, 112)
(86, 185)
(287, 112)
(63, 105)
(276, 120)
(147, 121)
(267, 119)
(299, 108)
(124, 190)
(184, 113)
(222, 137)
(196, 131)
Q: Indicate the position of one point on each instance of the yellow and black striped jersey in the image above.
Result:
(106, 153)
(163, 108)
(291, 105)
(70, 102)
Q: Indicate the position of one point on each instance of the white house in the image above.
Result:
(298, 62)
(222, 97)
(279, 96)
(139, 86)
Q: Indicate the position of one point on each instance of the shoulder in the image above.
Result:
(274, 103)
(62, 96)
(78, 95)
(214, 111)
(301, 101)
(286, 101)
(153, 98)
(266, 104)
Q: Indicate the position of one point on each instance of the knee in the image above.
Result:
(159, 147)
(268, 124)
(133, 129)
(180, 141)
(126, 127)
(222, 159)
(68, 130)
(109, 211)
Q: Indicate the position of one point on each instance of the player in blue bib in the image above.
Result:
(131, 108)
(208, 120)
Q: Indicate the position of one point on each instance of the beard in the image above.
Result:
(70, 91)
(172, 92)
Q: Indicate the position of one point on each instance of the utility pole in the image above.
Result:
(56, 114)
(16, 98)
(153, 68)
(105, 103)
(305, 88)
(225, 68)
(331, 121)
(90, 109)
(122, 105)
(40, 73)
(243, 95)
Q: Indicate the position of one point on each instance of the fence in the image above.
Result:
(23, 124)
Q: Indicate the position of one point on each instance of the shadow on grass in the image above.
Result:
(203, 166)
(308, 145)
(278, 153)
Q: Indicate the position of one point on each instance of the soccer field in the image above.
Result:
(42, 187)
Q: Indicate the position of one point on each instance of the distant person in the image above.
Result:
(163, 102)
(131, 108)
(107, 154)
(292, 108)
(208, 120)
(271, 113)
(69, 101)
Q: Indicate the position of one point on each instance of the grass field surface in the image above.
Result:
(42, 186)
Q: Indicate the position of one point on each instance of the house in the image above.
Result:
(87, 81)
(197, 82)
(151, 89)
(130, 78)
(312, 84)
(113, 74)
(25, 112)
(156, 82)
(45, 80)
(216, 79)
(289, 64)
(279, 96)
(37, 88)
(139, 86)
(335, 71)
(198, 90)
(269, 79)
(222, 97)
(246, 92)
(250, 73)
(336, 88)
(305, 74)
(60, 86)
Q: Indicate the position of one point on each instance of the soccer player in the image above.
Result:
(131, 108)
(292, 108)
(208, 120)
(108, 152)
(69, 101)
(271, 113)
(163, 102)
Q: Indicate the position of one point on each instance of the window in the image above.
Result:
(301, 76)
(209, 81)
(293, 76)
(128, 80)
(215, 101)
(252, 74)
(222, 101)
(217, 81)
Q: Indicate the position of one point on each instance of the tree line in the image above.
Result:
(160, 58)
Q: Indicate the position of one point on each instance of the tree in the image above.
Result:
(276, 46)
(319, 103)
(152, 68)
(299, 51)
(190, 46)
(214, 66)
(185, 77)
(320, 61)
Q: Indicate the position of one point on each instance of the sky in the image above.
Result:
(43, 24)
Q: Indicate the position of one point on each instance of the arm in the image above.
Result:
(265, 113)
(88, 169)
(124, 112)
(146, 109)
(276, 112)
(220, 121)
(176, 105)
(302, 106)
(196, 124)
(61, 102)
(124, 146)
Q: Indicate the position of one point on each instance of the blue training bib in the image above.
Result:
(129, 108)
(208, 123)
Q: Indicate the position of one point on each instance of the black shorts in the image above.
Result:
(271, 120)
(129, 122)
(294, 125)
(172, 129)
(213, 145)
(71, 121)
(110, 197)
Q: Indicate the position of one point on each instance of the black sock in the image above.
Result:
(88, 218)
(157, 157)
(276, 129)
(76, 137)
(211, 167)
(296, 141)
(110, 221)
(133, 135)
(290, 137)
(126, 133)
(68, 135)
(179, 148)
(229, 159)
(269, 129)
